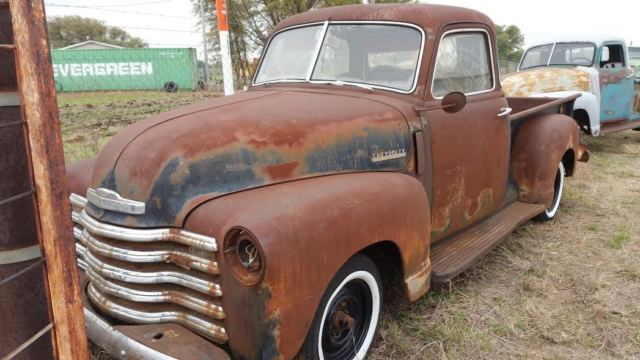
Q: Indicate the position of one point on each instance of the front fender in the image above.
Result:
(79, 175)
(539, 145)
(307, 230)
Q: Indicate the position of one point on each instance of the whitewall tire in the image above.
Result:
(558, 188)
(347, 317)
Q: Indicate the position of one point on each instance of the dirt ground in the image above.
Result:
(90, 119)
(566, 289)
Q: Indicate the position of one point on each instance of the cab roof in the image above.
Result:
(597, 39)
(428, 17)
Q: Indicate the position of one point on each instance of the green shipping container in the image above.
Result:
(124, 69)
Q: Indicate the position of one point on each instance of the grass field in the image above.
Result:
(566, 289)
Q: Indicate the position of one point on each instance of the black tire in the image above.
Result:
(170, 87)
(558, 187)
(352, 303)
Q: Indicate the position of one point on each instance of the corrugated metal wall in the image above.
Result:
(124, 69)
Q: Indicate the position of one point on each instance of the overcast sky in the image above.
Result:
(174, 25)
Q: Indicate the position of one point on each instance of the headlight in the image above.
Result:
(244, 255)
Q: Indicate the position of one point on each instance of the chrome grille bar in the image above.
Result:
(136, 256)
(131, 278)
(205, 328)
(155, 296)
(152, 277)
(147, 235)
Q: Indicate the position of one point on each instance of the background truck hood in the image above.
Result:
(177, 160)
(547, 79)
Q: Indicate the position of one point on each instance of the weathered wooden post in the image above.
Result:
(39, 290)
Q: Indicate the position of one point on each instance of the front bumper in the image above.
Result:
(154, 342)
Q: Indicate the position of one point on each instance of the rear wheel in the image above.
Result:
(558, 186)
(347, 317)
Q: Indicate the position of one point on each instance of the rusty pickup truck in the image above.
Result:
(375, 142)
(600, 68)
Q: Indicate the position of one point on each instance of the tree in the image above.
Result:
(250, 22)
(510, 42)
(73, 29)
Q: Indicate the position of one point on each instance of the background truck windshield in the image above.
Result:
(575, 53)
(372, 54)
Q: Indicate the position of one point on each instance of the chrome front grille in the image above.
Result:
(150, 276)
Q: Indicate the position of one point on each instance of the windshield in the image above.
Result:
(378, 55)
(574, 53)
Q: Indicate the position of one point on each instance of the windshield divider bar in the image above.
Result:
(553, 48)
(316, 51)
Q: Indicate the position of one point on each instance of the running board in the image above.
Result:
(450, 257)
(618, 126)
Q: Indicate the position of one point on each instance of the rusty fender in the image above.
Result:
(307, 230)
(79, 175)
(540, 143)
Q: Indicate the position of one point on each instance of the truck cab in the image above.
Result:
(374, 140)
(599, 68)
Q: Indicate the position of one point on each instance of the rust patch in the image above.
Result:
(282, 171)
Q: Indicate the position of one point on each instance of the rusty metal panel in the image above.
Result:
(8, 80)
(533, 170)
(350, 212)
(546, 80)
(269, 137)
(17, 220)
(470, 163)
(23, 310)
(457, 253)
(616, 94)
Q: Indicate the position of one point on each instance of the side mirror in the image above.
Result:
(453, 102)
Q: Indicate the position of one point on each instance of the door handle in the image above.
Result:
(505, 111)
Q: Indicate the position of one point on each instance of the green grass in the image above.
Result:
(620, 238)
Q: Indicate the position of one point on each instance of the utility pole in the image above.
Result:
(203, 21)
(225, 52)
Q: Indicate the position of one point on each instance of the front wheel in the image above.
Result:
(558, 186)
(347, 317)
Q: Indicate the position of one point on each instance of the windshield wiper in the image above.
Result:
(342, 83)
(271, 82)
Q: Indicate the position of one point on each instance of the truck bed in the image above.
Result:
(526, 106)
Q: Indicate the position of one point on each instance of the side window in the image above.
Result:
(612, 57)
(463, 64)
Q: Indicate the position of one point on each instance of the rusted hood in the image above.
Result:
(177, 160)
(547, 79)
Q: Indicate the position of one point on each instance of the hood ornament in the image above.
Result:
(110, 200)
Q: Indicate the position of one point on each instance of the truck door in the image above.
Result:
(469, 149)
(616, 83)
